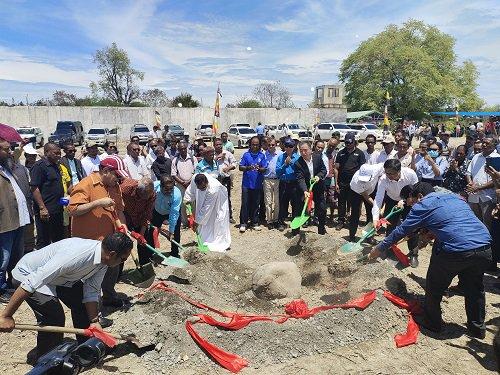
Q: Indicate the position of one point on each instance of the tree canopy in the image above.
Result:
(118, 79)
(186, 100)
(417, 65)
(273, 95)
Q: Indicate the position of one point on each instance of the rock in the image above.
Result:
(277, 280)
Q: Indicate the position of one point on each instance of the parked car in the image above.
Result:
(34, 134)
(325, 130)
(98, 135)
(177, 131)
(239, 126)
(240, 136)
(203, 131)
(286, 130)
(362, 130)
(141, 131)
(68, 131)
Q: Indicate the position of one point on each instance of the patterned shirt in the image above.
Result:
(455, 181)
(137, 210)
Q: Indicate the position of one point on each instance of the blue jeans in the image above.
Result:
(11, 250)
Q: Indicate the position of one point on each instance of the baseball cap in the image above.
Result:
(288, 142)
(389, 139)
(349, 138)
(30, 150)
(115, 163)
(9, 133)
(369, 171)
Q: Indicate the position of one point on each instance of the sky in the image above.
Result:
(191, 46)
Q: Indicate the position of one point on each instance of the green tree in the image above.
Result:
(118, 79)
(491, 108)
(62, 98)
(155, 98)
(273, 95)
(416, 64)
(186, 100)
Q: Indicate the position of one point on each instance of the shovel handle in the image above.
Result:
(57, 329)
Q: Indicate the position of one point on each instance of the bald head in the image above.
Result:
(145, 188)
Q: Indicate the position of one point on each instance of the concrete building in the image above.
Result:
(329, 96)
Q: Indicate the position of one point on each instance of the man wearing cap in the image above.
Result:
(135, 162)
(364, 182)
(90, 162)
(96, 207)
(388, 151)
(47, 189)
(288, 187)
(348, 161)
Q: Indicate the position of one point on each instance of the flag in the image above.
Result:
(215, 123)
(386, 112)
(158, 118)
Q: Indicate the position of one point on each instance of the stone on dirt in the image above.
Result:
(277, 280)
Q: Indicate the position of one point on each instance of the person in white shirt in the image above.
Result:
(404, 152)
(90, 163)
(71, 271)
(388, 152)
(226, 163)
(480, 186)
(371, 155)
(136, 163)
(389, 190)
(364, 182)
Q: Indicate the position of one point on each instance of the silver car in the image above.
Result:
(100, 136)
(240, 136)
(325, 130)
(362, 130)
(142, 132)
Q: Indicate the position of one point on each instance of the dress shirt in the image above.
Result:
(424, 169)
(74, 173)
(478, 175)
(311, 167)
(184, 168)
(449, 218)
(392, 189)
(22, 204)
(271, 160)
(382, 156)
(90, 165)
(286, 172)
(137, 168)
(227, 160)
(168, 205)
(371, 158)
(204, 167)
(63, 263)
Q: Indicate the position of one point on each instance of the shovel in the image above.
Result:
(167, 261)
(79, 331)
(298, 221)
(201, 246)
(352, 247)
(162, 232)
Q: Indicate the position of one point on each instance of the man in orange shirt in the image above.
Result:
(96, 207)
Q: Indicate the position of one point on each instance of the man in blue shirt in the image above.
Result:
(208, 165)
(253, 165)
(167, 207)
(260, 130)
(462, 247)
(288, 187)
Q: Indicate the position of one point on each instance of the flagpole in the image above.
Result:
(216, 116)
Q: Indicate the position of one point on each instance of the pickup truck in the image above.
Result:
(286, 130)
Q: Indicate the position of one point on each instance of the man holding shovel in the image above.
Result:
(70, 271)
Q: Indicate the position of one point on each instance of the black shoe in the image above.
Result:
(372, 241)
(113, 302)
(476, 332)
(322, 231)
(281, 227)
(340, 225)
(105, 322)
(422, 321)
(270, 226)
(295, 232)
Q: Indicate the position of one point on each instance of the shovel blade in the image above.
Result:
(175, 262)
(142, 277)
(351, 247)
(299, 221)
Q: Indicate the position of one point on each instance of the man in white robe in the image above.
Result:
(212, 211)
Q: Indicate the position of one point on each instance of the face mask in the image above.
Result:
(433, 153)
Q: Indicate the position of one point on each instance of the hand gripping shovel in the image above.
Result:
(166, 261)
(201, 246)
(162, 232)
(352, 247)
(298, 221)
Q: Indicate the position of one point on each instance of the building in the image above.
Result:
(329, 96)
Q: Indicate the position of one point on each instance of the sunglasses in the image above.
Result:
(370, 143)
(289, 146)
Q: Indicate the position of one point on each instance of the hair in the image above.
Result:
(200, 178)
(440, 146)
(117, 242)
(493, 139)
(49, 145)
(66, 144)
(423, 188)
(406, 191)
(399, 131)
(424, 141)
(302, 143)
(254, 137)
(130, 145)
(144, 184)
(217, 140)
(393, 165)
(318, 141)
(371, 136)
(166, 179)
(223, 133)
(462, 146)
(405, 141)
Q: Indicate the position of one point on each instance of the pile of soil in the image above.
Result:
(219, 281)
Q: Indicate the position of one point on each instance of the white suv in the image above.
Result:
(141, 131)
(100, 136)
(362, 130)
(34, 134)
(240, 136)
(325, 130)
(203, 131)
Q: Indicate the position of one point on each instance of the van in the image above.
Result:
(68, 131)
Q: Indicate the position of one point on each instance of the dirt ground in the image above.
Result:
(335, 341)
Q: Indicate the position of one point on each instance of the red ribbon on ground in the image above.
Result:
(105, 337)
(412, 329)
(403, 258)
(296, 309)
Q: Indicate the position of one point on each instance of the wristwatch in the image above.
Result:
(95, 320)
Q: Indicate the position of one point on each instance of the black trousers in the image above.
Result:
(470, 267)
(250, 202)
(348, 196)
(320, 207)
(49, 231)
(51, 313)
(226, 182)
(368, 207)
(288, 194)
(157, 220)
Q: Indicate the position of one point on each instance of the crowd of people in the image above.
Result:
(90, 203)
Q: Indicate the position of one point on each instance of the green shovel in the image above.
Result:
(302, 219)
(201, 245)
(352, 247)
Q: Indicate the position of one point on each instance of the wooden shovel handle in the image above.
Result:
(57, 329)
